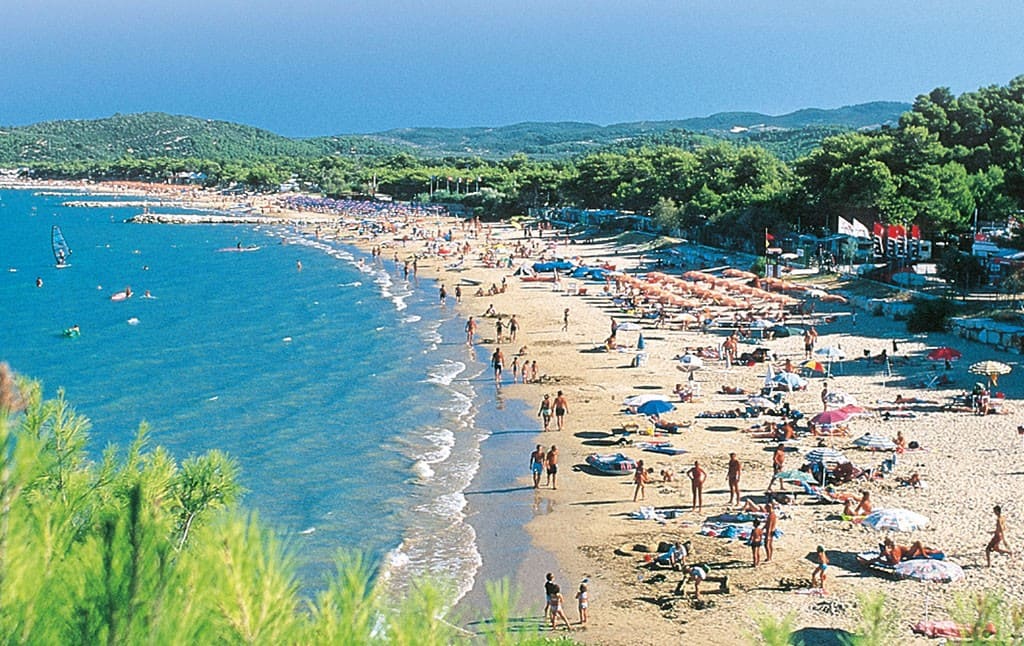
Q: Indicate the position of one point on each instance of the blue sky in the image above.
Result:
(304, 67)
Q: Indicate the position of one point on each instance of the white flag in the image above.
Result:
(859, 230)
(844, 226)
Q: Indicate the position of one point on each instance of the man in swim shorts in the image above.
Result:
(552, 462)
(561, 408)
(537, 465)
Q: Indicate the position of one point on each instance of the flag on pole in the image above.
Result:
(859, 230)
(844, 226)
(767, 239)
(876, 239)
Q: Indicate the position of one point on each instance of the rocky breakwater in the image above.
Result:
(204, 218)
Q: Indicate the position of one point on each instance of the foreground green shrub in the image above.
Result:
(137, 549)
(930, 315)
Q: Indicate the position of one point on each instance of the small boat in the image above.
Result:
(616, 464)
(663, 448)
(60, 248)
(239, 249)
(73, 332)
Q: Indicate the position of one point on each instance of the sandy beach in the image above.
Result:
(969, 462)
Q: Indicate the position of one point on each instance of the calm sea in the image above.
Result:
(342, 390)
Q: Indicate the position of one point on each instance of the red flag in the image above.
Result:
(892, 231)
(878, 229)
(915, 232)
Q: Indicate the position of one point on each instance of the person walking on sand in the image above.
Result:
(561, 408)
(756, 541)
(458, 294)
(537, 465)
(998, 538)
(565, 320)
(442, 295)
(498, 363)
(824, 396)
(552, 461)
(697, 476)
(513, 329)
(770, 523)
(818, 576)
(545, 412)
(640, 480)
(734, 478)
(556, 606)
(470, 331)
(549, 589)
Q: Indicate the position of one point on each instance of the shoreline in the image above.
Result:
(970, 463)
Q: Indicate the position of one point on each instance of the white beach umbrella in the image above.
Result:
(640, 400)
(689, 363)
(895, 520)
(874, 442)
(824, 455)
(628, 326)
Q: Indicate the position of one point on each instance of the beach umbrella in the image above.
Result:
(854, 410)
(791, 380)
(929, 570)
(944, 354)
(781, 331)
(640, 400)
(831, 352)
(895, 520)
(990, 368)
(823, 455)
(655, 407)
(814, 365)
(757, 401)
(689, 363)
(794, 476)
(874, 442)
(628, 326)
(831, 417)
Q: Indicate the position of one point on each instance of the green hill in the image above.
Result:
(155, 134)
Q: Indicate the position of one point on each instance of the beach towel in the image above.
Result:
(948, 629)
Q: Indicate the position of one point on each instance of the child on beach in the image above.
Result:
(640, 480)
(581, 598)
(818, 576)
(998, 538)
(556, 606)
(756, 541)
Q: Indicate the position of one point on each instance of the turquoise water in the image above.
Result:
(342, 390)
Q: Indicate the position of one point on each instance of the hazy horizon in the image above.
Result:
(317, 67)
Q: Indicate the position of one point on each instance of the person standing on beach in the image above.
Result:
(778, 459)
(499, 329)
(697, 476)
(442, 295)
(534, 373)
(458, 293)
(544, 412)
(537, 465)
(552, 462)
(808, 343)
(640, 480)
(549, 588)
(556, 606)
(561, 408)
(498, 363)
(565, 320)
(582, 598)
(998, 538)
(470, 331)
(770, 523)
(513, 328)
(515, 369)
(818, 576)
(756, 541)
(824, 395)
(734, 478)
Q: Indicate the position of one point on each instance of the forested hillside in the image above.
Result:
(153, 134)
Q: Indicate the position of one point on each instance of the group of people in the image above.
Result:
(542, 462)
(554, 607)
(557, 408)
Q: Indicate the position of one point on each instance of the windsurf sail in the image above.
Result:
(61, 250)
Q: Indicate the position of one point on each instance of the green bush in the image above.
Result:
(930, 315)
